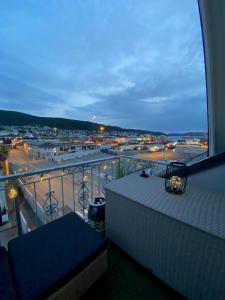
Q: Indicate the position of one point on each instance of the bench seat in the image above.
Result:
(7, 289)
(46, 259)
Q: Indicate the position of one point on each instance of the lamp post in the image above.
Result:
(102, 128)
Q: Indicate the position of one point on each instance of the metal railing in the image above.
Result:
(196, 158)
(52, 192)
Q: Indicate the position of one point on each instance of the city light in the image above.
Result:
(175, 182)
(12, 193)
(85, 178)
(105, 167)
(102, 128)
(42, 178)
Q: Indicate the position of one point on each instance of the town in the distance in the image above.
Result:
(29, 147)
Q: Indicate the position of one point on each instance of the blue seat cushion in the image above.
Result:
(45, 259)
(7, 289)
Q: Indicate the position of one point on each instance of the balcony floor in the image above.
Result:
(128, 280)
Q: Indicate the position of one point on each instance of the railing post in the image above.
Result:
(99, 180)
(62, 189)
(119, 166)
(83, 194)
(112, 171)
(50, 198)
(35, 197)
(92, 196)
(18, 219)
(74, 200)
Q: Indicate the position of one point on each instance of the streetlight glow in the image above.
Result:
(102, 128)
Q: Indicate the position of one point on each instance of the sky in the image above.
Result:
(131, 63)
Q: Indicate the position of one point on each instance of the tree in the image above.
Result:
(4, 149)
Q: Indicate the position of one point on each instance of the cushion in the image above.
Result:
(7, 290)
(46, 258)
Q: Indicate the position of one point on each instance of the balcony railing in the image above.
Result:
(39, 196)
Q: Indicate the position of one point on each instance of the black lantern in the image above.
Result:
(176, 177)
(96, 214)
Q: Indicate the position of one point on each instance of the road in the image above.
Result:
(181, 152)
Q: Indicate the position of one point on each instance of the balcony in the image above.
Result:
(45, 195)
(37, 198)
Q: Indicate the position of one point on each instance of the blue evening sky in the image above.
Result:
(132, 63)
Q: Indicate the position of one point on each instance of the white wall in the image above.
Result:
(213, 24)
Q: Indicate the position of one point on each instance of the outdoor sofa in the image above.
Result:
(60, 260)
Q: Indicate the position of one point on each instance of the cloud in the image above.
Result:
(130, 63)
(121, 87)
(155, 100)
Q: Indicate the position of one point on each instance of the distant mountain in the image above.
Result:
(13, 118)
(191, 133)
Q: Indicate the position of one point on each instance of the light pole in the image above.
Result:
(102, 130)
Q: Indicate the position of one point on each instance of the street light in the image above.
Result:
(55, 130)
(102, 129)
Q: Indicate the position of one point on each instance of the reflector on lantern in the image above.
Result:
(176, 178)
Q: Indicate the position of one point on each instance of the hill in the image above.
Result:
(14, 118)
(189, 134)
